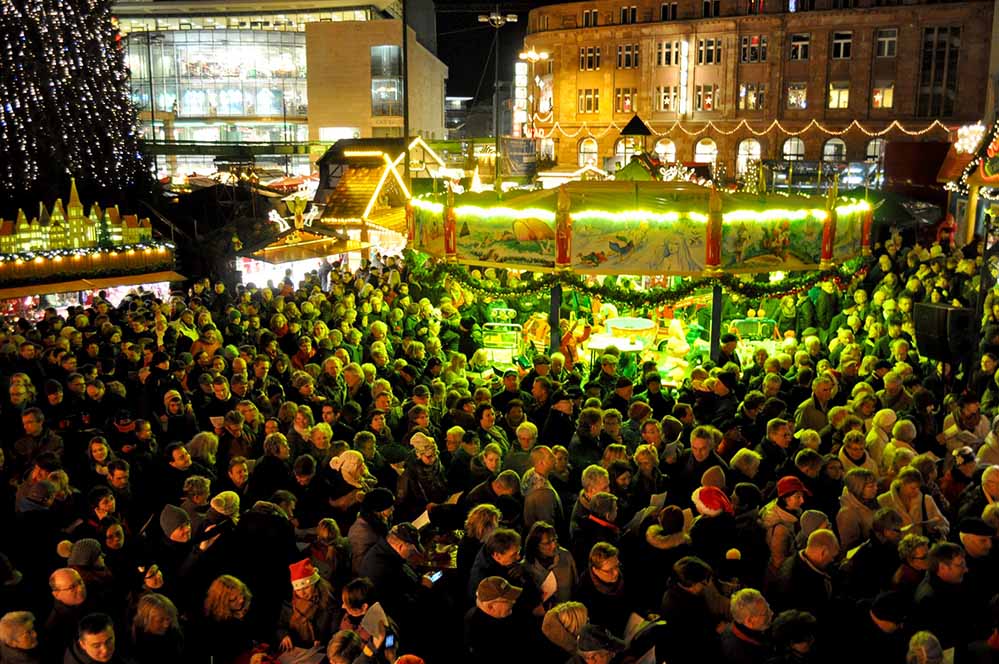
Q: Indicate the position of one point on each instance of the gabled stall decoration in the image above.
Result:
(643, 228)
(64, 243)
(980, 177)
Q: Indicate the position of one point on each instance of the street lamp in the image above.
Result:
(534, 57)
(497, 21)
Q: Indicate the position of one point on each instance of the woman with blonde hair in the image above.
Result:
(561, 626)
(204, 448)
(156, 633)
(481, 521)
(225, 634)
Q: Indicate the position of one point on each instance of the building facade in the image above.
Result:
(734, 81)
(355, 82)
(236, 72)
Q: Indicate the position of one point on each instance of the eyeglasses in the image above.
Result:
(72, 586)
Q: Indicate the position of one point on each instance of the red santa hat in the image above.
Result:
(303, 574)
(711, 501)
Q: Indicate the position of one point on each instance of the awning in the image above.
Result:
(953, 165)
(310, 249)
(90, 284)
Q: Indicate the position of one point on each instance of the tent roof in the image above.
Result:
(636, 127)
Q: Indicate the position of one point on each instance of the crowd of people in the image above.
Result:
(334, 471)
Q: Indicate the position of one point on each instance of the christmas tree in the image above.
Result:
(64, 105)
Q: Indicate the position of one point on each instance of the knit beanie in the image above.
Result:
(811, 520)
(226, 503)
(85, 553)
(172, 518)
(714, 476)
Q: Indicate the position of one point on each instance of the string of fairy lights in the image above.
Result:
(743, 125)
(64, 98)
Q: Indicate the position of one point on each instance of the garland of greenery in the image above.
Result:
(429, 270)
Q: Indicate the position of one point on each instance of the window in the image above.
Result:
(667, 98)
(627, 56)
(711, 8)
(842, 43)
(797, 95)
(706, 151)
(706, 98)
(753, 49)
(587, 151)
(386, 80)
(752, 96)
(668, 11)
(794, 149)
(800, 44)
(624, 100)
(886, 42)
(709, 51)
(754, 6)
(625, 148)
(834, 150)
(839, 94)
(589, 58)
(883, 94)
(666, 149)
(875, 150)
(842, 4)
(590, 18)
(938, 72)
(749, 151)
(667, 54)
(629, 14)
(588, 100)
(543, 22)
(800, 5)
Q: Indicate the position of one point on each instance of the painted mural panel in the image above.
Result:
(429, 231)
(506, 237)
(790, 242)
(637, 245)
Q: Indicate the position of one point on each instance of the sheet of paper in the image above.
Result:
(658, 500)
(422, 521)
(454, 497)
(633, 626)
(649, 657)
(374, 620)
(548, 586)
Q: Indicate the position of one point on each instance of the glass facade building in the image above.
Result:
(224, 77)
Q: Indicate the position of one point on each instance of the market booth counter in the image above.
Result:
(62, 255)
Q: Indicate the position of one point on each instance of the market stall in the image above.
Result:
(62, 255)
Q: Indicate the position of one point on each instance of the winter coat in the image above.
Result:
(781, 527)
(566, 575)
(652, 562)
(419, 485)
(366, 530)
(853, 521)
(924, 508)
(541, 502)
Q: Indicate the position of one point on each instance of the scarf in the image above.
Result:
(302, 613)
(615, 589)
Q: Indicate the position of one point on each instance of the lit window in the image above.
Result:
(706, 151)
(839, 94)
(797, 95)
(749, 151)
(834, 150)
(794, 149)
(800, 44)
(666, 149)
(588, 151)
(883, 94)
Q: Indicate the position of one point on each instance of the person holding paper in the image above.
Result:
(551, 565)
(422, 485)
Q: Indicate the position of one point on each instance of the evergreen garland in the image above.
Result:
(429, 270)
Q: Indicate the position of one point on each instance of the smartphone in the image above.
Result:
(389, 640)
(435, 577)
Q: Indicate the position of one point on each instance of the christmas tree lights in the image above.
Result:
(64, 103)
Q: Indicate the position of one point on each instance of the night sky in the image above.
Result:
(465, 45)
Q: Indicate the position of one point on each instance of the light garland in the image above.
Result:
(961, 186)
(51, 254)
(64, 101)
(585, 130)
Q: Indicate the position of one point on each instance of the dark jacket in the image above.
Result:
(419, 484)
(76, 655)
(944, 609)
(741, 645)
(800, 585)
(692, 628)
(397, 585)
